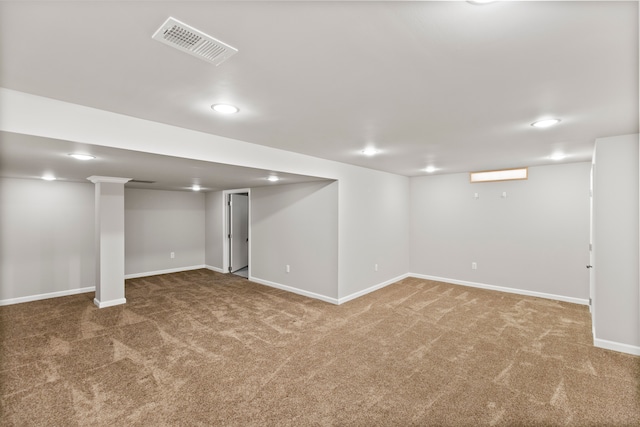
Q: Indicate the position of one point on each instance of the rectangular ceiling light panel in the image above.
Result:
(194, 42)
(499, 175)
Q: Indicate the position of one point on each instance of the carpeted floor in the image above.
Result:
(202, 348)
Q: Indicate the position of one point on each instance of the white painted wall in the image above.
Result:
(616, 242)
(296, 225)
(372, 209)
(214, 230)
(160, 222)
(534, 240)
(46, 238)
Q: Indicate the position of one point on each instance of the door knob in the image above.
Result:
(589, 266)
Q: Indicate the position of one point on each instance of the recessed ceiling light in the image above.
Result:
(429, 169)
(273, 178)
(196, 187)
(80, 156)
(48, 177)
(545, 123)
(478, 2)
(225, 108)
(558, 156)
(370, 151)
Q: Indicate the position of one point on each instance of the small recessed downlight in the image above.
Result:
(196, 187)
(273, 178)
(48, 177)
(558, 156)
(80, 156)
(545, 123)
(370, 151)
(225, 108)
(430, 169)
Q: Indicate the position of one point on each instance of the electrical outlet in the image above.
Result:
(173, 255)
(474, 265)
(288, 268)
(375, 267)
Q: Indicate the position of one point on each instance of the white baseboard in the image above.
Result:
(171, 270)
(212, 268)
(616, 346)
(38, 297)
(295, 290)
(573, 300)
(104, 304)
(371, 289)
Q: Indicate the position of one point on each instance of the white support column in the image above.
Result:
(109, 240)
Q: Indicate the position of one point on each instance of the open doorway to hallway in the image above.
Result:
(237, 224)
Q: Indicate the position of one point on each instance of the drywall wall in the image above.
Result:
(214, 230)
(160, 222)
(535, 239)
(372, 219)
(46, 238)
(296, 225)
(616, 243)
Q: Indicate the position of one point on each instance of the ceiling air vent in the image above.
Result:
(194, 42)
(141, 181)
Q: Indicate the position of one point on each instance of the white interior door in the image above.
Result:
(239, 231)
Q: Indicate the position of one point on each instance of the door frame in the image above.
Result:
(225, 227)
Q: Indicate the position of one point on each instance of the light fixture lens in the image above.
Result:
(430, 169)
(225, 108)
(558, 156)
(370, 151)
(196, 187)
(48, 177)
(545, 123)
(273, 178)
(79, 156)
(481, 1)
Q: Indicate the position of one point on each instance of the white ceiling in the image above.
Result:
(448, 84)
(31, 157)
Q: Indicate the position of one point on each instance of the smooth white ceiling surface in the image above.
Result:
(26, 156)
(448, 84)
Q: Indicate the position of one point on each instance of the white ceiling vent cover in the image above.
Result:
(194, 42)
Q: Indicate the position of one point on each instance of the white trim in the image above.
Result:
(573, 300)
(104, 304)
(212, 268)
(372, 289)
(295, 290)
(38, 297)
(109, 179)
(170, 270)
(616, 346)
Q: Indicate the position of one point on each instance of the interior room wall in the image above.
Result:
(158, 223)
(214, 231)
(616, 234)
(371, 225)
(535, 240)
(46, 239)
(296, 225)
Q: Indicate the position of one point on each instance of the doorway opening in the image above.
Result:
(237, 222)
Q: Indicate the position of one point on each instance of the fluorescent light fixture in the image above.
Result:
(499, 175)
(196, 187)
(225, 108)
(273, 178)
(370, 151)
(545, 123)
(430, 169)
(80, 156)
(48, 177)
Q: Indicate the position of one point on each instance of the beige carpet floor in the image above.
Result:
(200, 348)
